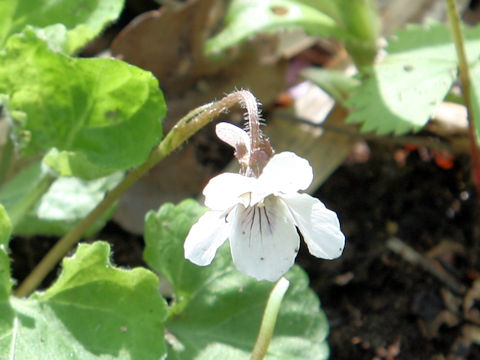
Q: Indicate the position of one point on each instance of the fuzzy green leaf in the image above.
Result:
(246, 18)
(401, 92)
(93, 311)
(99, 115)
(217, 310)
(67, 201)
(84, 19)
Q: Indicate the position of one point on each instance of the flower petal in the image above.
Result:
(236, 138)
(263, 240)
(225, 190)
(319, 226)
(286, 173)
(205, 237)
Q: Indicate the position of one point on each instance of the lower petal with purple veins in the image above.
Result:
(264, 241)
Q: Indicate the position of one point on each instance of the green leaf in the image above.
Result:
(5, 232)
(217, 311)
(84, 19)
(246, 18)
(401, 92)
(56, 37)
(94, 310)
(101, 115)
(336, 83)
(67, 201)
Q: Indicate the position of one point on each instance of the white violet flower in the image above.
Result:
(260, 211)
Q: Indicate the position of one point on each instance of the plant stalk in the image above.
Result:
(181, 132)
(458, 40)
(464, 75)
(269, 319)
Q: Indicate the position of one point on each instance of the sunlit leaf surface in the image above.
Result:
(401, 92)
(67, 201)
(84, 19)
(98, 115)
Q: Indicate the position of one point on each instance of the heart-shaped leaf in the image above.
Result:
(93, 311)
(98, 115)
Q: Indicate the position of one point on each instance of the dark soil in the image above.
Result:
(378, 304)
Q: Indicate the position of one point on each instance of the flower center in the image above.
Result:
(256, 221)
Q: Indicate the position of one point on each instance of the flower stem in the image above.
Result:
(260, 149)
(457, 34)
(362, 23)
(251, 105)
(464, 74)
(269, 319)
(181, 132)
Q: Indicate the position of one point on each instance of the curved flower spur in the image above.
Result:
(260, 208)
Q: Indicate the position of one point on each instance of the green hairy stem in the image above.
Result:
(464, 75)
(269, 319)
(457, 34)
